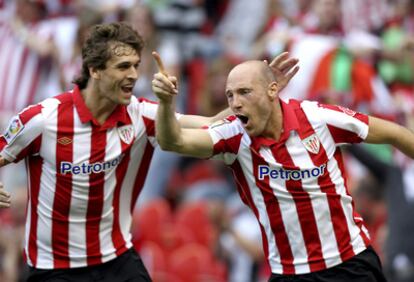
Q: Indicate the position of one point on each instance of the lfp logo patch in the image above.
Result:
(15, 127)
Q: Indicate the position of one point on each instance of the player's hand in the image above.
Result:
(284, 68)
(4, 197)
(163, 85)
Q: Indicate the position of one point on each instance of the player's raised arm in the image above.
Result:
(170, 135)
(386, 132)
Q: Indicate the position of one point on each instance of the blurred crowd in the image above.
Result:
(190, 224)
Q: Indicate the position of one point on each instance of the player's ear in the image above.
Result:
(273, 90)
(94, 73)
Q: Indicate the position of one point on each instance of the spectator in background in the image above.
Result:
(27, 55)
(336, 67)
(396, 66)
(29, 70)
(240, 241)
(397, 182)
(211, 97)
(71, 64)
(240, 26)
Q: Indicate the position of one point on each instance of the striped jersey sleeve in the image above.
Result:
(21, 137)
(345, 125)
(227, 136)
(147, 110)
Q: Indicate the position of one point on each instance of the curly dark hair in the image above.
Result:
(96, 50)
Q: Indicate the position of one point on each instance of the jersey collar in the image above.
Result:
(118, 116)
(290, 122)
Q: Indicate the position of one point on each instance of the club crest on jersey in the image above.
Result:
(312, 143)
(126, 133)
(15, 127)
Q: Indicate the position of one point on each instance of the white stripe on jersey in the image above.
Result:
(259, 202)
(78, 202)
(137, 151)
(46, 192)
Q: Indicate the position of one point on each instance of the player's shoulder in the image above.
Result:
(231, 121)
(142, 103)
(51, 104)
(142, 107)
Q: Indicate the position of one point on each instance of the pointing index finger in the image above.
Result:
(159, 63)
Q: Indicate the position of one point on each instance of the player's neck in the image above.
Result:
(274, 127)
(99, 106)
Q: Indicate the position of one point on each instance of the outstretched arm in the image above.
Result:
(386, 132)
(170, 135)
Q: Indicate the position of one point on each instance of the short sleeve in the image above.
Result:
(345, 125)
(148, 112)
(227, 136)
(19, 138)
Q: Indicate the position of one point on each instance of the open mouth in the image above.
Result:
(243, 119)
(127, 88)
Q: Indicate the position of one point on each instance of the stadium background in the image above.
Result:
(189, 223)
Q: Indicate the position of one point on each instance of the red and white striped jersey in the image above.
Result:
(84, 178)
(296, 186)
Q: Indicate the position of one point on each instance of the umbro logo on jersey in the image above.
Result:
(64, 141)
(126, 133)
(312, 143)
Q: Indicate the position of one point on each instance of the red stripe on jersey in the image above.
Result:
(62, 197)
(342, 235)
(246, 196)
(275, 216)
(117, 238)
(304, 209)
(30, 112)
(142, 173)
(3, 142)
(359, 222)
(35, 171)
(149, 126)
(96, 197)
(230, 145)
(343, 136)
